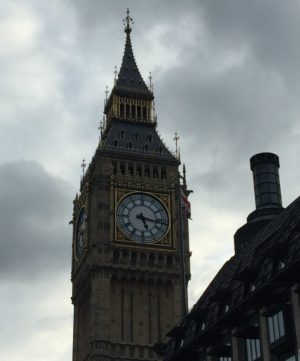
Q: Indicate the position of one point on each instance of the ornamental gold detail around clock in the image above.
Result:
(143, 218)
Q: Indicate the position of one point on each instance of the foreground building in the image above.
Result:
(128, 275)
(251, 309)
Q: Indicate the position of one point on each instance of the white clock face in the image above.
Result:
(142, 217)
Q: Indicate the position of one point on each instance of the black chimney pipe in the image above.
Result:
(267, 192)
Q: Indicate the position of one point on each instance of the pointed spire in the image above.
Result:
(129, 76)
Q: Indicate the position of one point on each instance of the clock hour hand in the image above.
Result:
(155, 220)
(141, 216)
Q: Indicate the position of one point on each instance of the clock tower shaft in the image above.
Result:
(127, 258)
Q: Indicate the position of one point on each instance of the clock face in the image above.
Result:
(142, 217)
(80, 234)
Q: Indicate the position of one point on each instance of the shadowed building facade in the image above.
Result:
(251, 309)
(129, 278)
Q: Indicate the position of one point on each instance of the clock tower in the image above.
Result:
(130, 261)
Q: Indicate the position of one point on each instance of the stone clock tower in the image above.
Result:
(129, 239)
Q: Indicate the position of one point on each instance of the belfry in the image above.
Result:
(130, 260)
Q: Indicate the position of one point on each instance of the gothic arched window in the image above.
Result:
(133, 110)
(127, 110)
(121, 109)
(144, 113)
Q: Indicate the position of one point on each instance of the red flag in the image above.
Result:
(185, 204)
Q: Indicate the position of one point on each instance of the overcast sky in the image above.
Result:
(226, 78)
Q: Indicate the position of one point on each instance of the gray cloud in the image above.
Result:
(35, 208)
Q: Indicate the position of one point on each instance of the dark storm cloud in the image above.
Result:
(34, 209)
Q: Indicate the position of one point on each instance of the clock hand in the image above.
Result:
(155, 220)
(141, 216)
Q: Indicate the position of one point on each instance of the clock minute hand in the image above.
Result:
(141, 216)
(155, 220)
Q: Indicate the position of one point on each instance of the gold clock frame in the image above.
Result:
(165, 241)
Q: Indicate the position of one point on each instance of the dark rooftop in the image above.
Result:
(245, 279)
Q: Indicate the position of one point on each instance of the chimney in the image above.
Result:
(267, 193)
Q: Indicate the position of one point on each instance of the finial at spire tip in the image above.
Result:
(128, 21)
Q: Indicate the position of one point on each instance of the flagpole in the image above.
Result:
(182, 252)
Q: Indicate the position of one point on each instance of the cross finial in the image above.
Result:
(83, 165)
(128, 21)
(176, 138)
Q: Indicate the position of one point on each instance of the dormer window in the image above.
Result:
(146, 147)
(122, 134)
(253, 350)
(149, 138)
(160, 149)
(115, 143)
(276, 326)
(135, 136)
(129, 145)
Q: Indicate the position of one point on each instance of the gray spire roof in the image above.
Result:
(136, 140)
(129, 76)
